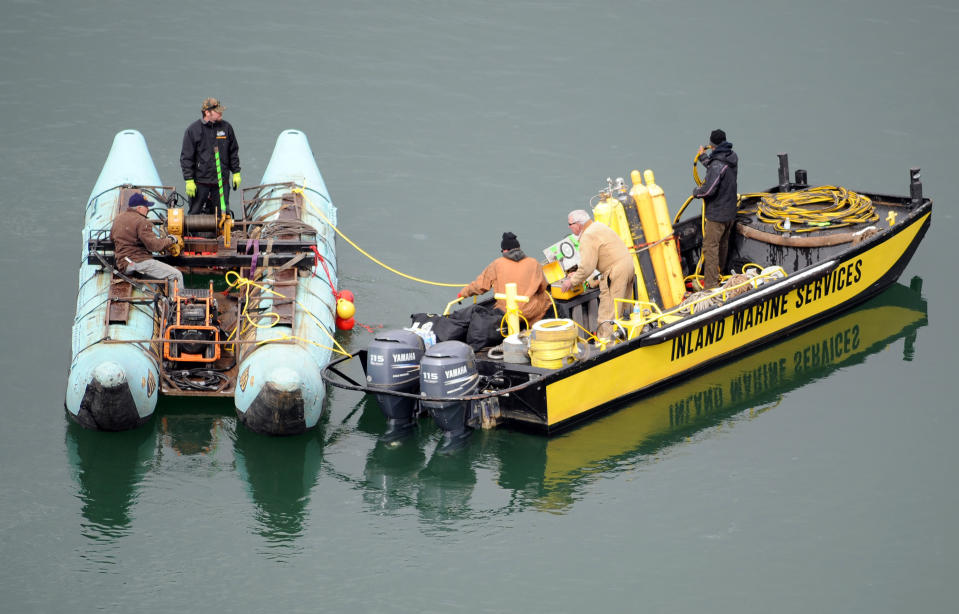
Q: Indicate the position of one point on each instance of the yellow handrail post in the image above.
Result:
(512, 307)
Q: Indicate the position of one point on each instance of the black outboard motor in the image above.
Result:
(393, 363)
(448, 370)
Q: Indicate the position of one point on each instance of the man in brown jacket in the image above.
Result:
(513, 267)
(134, 241)
(600, 248)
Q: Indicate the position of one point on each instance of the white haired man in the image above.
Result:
(600, 248)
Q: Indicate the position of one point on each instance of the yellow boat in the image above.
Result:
(554, 471)
(808, 272)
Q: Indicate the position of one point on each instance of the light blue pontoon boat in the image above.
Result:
(255, 321)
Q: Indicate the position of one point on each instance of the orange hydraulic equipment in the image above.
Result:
(653, 211)
(191, 332)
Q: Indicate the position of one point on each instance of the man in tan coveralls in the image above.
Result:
(513, 266)
(600, 248)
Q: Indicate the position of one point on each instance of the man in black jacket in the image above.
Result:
(198, 161)
(719, 194)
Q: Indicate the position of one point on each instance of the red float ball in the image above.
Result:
(346, 324)
(345, 294)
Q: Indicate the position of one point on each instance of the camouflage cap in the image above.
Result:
(212, 104)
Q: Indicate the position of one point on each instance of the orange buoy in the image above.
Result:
(345, 309)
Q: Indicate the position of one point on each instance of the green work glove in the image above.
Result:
(190, 188)
(236, 180)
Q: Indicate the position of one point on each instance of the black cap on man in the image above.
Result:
(717, 137)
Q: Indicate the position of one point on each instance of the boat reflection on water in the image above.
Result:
(392, 470)
(192, 427)
(399, 474)
(108, 468)
(193, 436)
(548, 473)
(531, 471)
(445, 488)
(280, 473)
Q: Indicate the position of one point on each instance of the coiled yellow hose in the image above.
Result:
(552, 343)
(813, 209)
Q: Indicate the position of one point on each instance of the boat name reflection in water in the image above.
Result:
(768, 376)
(830, 350)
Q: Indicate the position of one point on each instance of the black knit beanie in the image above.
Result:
(509, 241)
(717, 136)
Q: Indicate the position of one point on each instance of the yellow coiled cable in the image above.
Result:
(552, 343)
(813, 208)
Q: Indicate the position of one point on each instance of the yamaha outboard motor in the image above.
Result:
(393, 363)
(448, 370)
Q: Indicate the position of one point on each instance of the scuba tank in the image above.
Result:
(642, 261)
(674, 269)
(671, 294)
(609, 211)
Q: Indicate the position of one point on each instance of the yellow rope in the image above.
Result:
(364, 252)
(589, 335)
(296, 338)
(247, 285)
(552, 302)
(820, 207)
(502, 321)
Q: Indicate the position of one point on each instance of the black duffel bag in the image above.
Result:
(446, 328)
(484, 327)
(477, 325)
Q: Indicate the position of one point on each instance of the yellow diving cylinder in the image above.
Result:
(609, 211)
(647, 216)
(674, 269)
(601, 212)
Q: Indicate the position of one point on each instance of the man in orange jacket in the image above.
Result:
(514, 266)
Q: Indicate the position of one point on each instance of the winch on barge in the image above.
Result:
(261, 341)
(793, 277)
